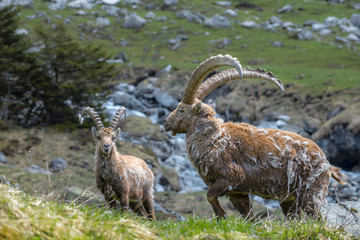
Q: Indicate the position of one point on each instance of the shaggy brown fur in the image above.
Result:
(235, 159)
(124, 178)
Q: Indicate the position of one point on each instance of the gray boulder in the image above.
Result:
(3, 158)
(331, 21)
(191, 17)
(325, 31)
(305, 34)
(344, 215)
(57, 164)
(103, 22)
(285, 9)
(164, 99)
(249, 24)
(84, 4)
(169, 3)
(355, 19)
(230, 12)
(223, 3)
(217, 21)
(57, 5)
(318, 26)
(134, 21)
(111, 10)
(128, 101)
(150, 15)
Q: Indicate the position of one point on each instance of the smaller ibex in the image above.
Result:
(124, 178)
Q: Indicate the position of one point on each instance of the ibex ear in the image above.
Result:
(117, 133)
(94, 132)
(196, 109)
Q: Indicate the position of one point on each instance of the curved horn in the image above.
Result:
(203, 70)
(95, 117)
(117, 117)
(226, 76)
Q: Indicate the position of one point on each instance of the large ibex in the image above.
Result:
(235, 159)
(124, 178)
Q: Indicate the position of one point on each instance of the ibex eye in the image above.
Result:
(181, 110)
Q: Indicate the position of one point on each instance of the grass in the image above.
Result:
(25, 217)
(148, 47)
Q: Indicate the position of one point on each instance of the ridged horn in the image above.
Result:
(203, 70)
(229, 75)
(117, 117)
(95, 117)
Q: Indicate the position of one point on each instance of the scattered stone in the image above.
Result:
(191, 17)
(111, 10)
(353, 37)
(122, 57)
(169, 3)
(318, 26)
(128, 101)
(21, 31)
(134, 21)
(331, 21)
(344, 215)
(103, 22)
(84, 4)
(37, 169)
(165, 100)
(249, 6)
(309, 23)
(161, 19)
(325, 32)
(277, 44)
(223, 3)
(230, 12)
(305, 34)
(150, 15)
(3, 158)
(217, 21)
(110, 1)
(57, 164)
(285, 9)
(57, 5)
(249, 24)
(221, 43)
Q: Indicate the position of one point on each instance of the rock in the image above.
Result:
(355, 20)
(110, 1)
(57, 164)
(311, 125)
(21, 31)
(134, 21)
(356, 5)
(5, 3)
(285, 9)
(111, 10)
(249, 6)
(191, 17)
(84, 4)
(170, 214)
(161, 19)
(318, 26)
(221, 43)
(331, 21)
(57, 5)
(309, 23)
(353, 37)
(3, 158)
(277, 44)
(343, 215)
(305, 34)
(167, 69)
(37, 169)
(217, 21)
(150, 15)
(128, 101)
(122, 56)
(164, 99)
(230, 12)
(325, 32)
(169, 3)
(249, 24)
(103, 22)
(223, 3)
(274, 19)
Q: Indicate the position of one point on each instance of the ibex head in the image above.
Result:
(105, 137)
(196, 90)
